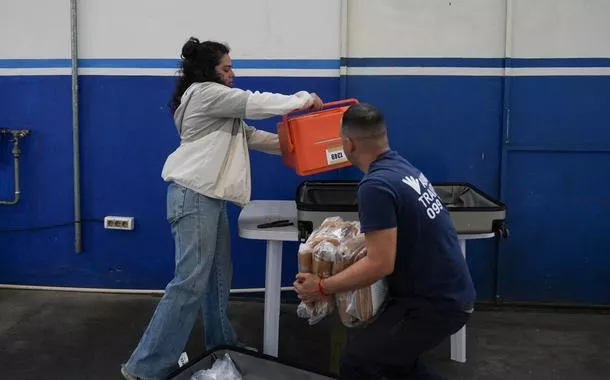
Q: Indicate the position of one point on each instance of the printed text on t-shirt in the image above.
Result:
(427, 196)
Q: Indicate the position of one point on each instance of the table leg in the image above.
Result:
(458, 340)
(273, 283)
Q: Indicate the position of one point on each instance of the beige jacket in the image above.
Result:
(213, 157)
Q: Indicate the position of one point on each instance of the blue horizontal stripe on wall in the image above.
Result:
(558, 62)
(163, 63)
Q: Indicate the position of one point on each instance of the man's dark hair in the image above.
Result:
(363, 121)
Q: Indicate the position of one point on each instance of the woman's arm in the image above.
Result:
(222, 101)
(262, 141)
(267, 104)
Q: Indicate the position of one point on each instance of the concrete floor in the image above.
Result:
(54, 335)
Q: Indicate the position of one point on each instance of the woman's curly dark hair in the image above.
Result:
(199, 61)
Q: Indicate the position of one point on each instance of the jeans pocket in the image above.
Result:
(176, 199)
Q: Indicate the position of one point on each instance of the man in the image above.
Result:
(411, 241)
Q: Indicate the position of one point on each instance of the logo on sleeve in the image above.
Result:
(413, 183)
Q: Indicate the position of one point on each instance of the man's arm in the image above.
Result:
(377, 210)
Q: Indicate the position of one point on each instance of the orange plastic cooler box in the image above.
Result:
(311, 142)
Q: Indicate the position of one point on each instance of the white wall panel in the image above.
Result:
(307, 30)
(34, 29)
(253, 28)
(561, 28)
(426, 28)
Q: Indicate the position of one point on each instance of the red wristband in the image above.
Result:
(321, 288)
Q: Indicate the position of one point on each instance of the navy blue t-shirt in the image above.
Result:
(429, 264)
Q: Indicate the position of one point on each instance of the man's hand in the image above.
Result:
(306, 286)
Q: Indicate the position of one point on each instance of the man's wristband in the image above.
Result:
(322, 288)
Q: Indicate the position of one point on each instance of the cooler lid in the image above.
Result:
(328, 195)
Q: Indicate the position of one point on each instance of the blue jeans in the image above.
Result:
(202, 281)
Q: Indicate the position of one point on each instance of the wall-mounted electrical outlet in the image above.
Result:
(119, 222)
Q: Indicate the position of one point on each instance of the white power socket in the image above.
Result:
(119, 222)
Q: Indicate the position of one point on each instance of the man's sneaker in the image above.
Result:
(127, 375)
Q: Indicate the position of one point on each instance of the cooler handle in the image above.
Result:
(338, 102)
(325, 105)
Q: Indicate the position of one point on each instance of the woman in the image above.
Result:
(210, 167)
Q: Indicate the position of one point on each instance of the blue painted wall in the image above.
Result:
(449, 127)
(126, 133)
(557, 186)
(554, 176)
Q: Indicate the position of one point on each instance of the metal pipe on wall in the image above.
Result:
(75, 128)
(17, 134)
(343, 35)
(505, 137)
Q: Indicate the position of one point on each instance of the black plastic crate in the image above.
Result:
(252, 365)
(471, 210)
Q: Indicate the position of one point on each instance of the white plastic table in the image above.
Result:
(458, 340)
(258, 212)
(253, 214)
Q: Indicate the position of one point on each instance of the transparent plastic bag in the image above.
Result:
(352, 250)
(315, 312)
(363, 304)
(333, 230)
(360, 305)
(322, 257)
(305, 259)
(331, 248)
(222, 369)
(317, 255)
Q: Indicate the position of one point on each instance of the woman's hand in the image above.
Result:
(317, 102)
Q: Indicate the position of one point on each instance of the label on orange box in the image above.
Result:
(335, 155)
